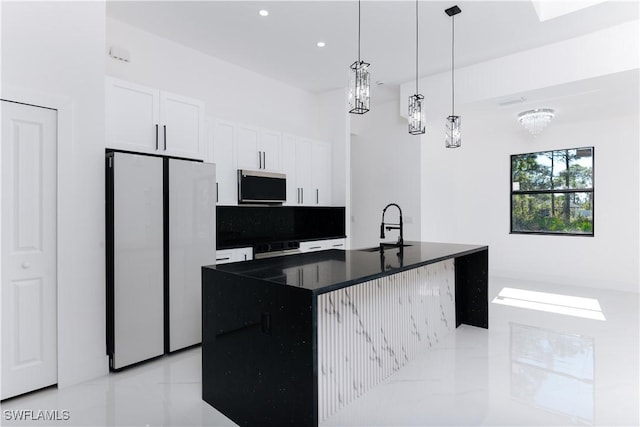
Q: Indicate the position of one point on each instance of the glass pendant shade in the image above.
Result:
(416, 115)
(359, 87)
(453, 138)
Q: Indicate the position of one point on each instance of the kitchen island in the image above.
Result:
(290, 340)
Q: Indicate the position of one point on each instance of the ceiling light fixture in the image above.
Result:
(416, 107)
(453, 138)
(535, 121)
(264, 12)
(321, 44)
(359, 81)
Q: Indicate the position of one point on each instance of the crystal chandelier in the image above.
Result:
(359, 81)
(416, 110)
(452, 139)
(536, 120)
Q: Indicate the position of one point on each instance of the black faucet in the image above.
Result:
(388, 226)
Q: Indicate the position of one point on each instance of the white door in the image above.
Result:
(182, 125)
(138, 287)
(288, 166)
(306, 195)
(29, 318)
(270, 145)
(248, 153)
(321, 173)
(132, 117)
(223, 157)
(192, 244)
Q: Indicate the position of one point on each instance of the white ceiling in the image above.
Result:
(283, 45)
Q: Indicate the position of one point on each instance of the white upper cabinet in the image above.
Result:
(258, 149)
(147, 120)
(321, 173)
(303, 172)
(307, 165)
(247, 147)
(132, 116)
(288, 166)
(182, 125)
(223, 155)
(271, 147)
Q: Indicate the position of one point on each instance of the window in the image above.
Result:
(552, 192)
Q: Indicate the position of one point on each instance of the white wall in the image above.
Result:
(53, 52)
(478, 202)
(229, 91)
(385, 168)
(465, 192)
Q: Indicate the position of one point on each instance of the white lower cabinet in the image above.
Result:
(226, 256)
(322, 245)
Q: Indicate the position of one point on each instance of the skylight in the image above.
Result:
(588, 308)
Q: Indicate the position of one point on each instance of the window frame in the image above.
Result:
(554, 191)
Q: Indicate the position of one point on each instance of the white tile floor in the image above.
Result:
(530, 368)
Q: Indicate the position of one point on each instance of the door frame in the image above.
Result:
(64, 194)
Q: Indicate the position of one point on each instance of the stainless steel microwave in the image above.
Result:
(261, 187)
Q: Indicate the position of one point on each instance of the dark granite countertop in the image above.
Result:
(326, 271)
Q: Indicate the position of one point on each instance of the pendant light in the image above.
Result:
(416, 106)
(359, 81)
(452, 135)
(535, 121)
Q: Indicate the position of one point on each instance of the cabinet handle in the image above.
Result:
(317, 197)
(156, 137)
(223, 259)
(245, 257)
(259, 159)
(315, 247)
(264, 160)
(217, 192)
(165, 137)
(302, 193)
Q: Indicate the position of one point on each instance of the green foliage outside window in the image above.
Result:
(552, 192)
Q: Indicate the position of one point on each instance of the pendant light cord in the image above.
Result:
(416, 47)
(359, 32)
(453, 99)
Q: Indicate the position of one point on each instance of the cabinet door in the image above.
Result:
(225, 256)
(224, 158)
(312, 246)
(192, 242)
(244, 254)
(321, 173)
(306, 194)
(270, 146)
(182, 125)
(288, 167)
(132, 116)
(247, 148)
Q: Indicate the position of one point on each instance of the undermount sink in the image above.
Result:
(384, 246)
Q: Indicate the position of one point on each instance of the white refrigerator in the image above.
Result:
(161, 229)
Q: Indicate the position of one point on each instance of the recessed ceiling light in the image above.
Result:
(264, 12)
(321, 44)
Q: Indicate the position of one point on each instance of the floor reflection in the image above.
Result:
(553, 371)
